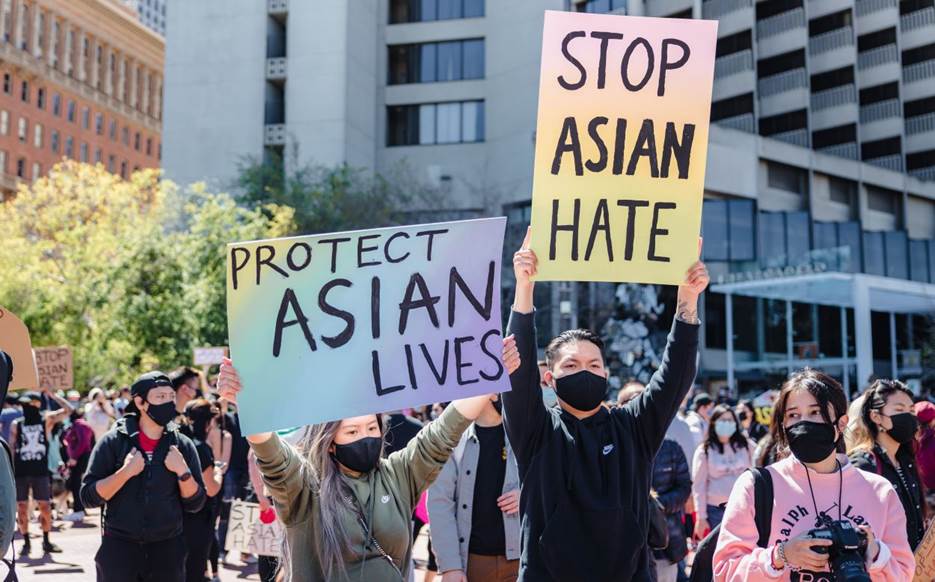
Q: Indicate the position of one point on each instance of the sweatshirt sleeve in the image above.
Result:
(655, 408)
(443, 515)
(895, 562)
(289, 479)
(700, 482)
(194, 503)
(737, 557)
(416, 466)
(524, 413)
(103, 464)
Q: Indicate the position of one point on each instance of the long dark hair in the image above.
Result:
(824, 388)
(876, 398)
(199, 412)
(737, 440)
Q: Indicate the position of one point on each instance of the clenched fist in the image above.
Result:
(134, 463)
(175, 462)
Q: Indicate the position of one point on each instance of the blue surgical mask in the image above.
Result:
(725, 428)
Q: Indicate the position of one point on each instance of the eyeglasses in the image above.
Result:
(161, 398)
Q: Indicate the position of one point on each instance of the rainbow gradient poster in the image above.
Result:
(621, 146)
(331, 326)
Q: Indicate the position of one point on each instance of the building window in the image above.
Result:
(71, 111)
(98, 156)
(728, 231)
(54, 141)
(882, 200)
(56, 104)
(125, 136)
(874, 254)
(2, 162)
(436, 61)
(69, 147)
(40, 98)
(99, 123)
(784, 238)
(85, 118)
(84, 152)
(918, 261)
(896, 245)
(426, 10)
(24, 92)
(37, 135)
(136, 141)
(788, 178)
(36, 171)
(111, 163)
(7, 83)
(149, 146)
(113, 130)
(4, 122)
(123, 169)
(842, 191)
(436, 123)
(23, 129)
(21, 168)
(599, 6)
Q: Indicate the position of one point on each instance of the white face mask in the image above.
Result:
(725, 428)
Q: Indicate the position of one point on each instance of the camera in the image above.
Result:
(846, 552)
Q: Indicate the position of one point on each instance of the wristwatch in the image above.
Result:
(185, 476)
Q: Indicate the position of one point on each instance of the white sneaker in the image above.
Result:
(74, 516)
(230, 559)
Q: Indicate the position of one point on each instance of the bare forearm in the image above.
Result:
(188, 488)
(259, 438)
(471, 408)
(213, 478)
(687, 307)
(523, 299)
(109, 486)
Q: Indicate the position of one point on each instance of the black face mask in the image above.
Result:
(162, 414)
(811, 442)
(498, 406)
(361, 455)
(582, 390)
(904, 428)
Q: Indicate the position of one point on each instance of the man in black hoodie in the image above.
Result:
(585, 470)
(147, 475)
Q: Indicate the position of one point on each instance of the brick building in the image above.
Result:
(80, 79)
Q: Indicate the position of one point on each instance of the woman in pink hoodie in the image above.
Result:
(812, 487)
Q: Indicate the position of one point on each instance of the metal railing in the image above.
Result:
(879, 110)
(717, 8)
(841, 150)
(785, 81)
(744, 122)
(831, 40)
(891, 162)
(797, 137)
(917, 19)
(919, 71)
(924, 173)
(878, 56)
(834, 97)
(865, 7)
(780, 23)
(920, 124)
(733, 63)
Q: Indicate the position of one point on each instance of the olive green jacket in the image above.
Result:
(386, 496)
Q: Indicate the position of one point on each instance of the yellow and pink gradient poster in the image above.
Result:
(621, 146)
(331, 326)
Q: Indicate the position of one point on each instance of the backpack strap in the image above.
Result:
(762, 503)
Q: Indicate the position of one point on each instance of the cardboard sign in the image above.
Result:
(55, 367)
(925, 558)
(248, 532)
(14, 340)
(621, 144)
(209, 356)
(331, 326)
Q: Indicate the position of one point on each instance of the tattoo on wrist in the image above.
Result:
(687, 314)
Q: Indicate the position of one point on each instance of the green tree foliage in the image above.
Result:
(129, 273)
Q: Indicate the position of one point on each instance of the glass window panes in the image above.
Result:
(931, 245)
(449, 61)
(427, 124)
(448, 122)
(470, 111)
(874, 256)
(450, 9)
(918, 261)
(714, 230)
(849, 241)
(897, 262)
(772, 240)
(797, 243)
(428, 10)
(428, 62)
(740, 216)
(473, 59)
(473, 8)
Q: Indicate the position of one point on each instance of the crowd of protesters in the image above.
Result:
(557, 479)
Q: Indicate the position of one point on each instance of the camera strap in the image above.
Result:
(820, 517)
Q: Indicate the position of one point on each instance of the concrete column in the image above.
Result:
(847, 365)
(862, 330)
(729, 315)
(789, 353)
(894, 362)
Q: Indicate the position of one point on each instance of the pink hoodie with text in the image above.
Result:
(865, 498)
